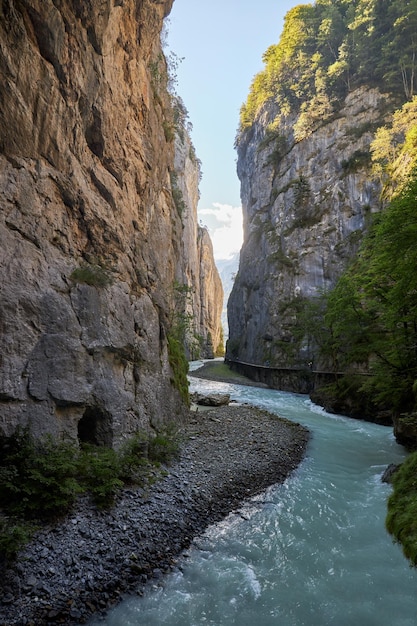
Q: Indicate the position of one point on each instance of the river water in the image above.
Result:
(311, 552)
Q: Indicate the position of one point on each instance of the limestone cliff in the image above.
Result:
(305, 204)
(92, 241)
(199, 285)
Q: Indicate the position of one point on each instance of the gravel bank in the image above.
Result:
(88, 562)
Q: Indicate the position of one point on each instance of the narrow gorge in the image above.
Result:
(102, 258)
(109, 289)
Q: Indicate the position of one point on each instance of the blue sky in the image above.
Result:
(221, 43)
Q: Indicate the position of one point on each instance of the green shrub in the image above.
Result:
(37, 478)
(164, 447)
(13, 537)
(92, 274)
(401, 519)
(358, 160)
(41, 479)
(133, 459)
(99, 471)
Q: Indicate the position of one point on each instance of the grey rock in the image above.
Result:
(304, 216)
(389, 473)
(85, 184)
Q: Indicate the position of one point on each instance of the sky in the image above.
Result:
(221, 43)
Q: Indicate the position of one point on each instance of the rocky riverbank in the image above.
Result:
(85, 564)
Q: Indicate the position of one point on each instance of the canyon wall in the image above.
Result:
(306, 204)
(199, 287)
(92, 236)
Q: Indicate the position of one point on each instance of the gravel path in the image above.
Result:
(88, 562)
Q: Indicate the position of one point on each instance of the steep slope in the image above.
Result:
(91, 235)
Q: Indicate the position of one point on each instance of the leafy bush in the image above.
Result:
(13, 536)
(401, 519)
(133, 459)
(37, 478)
(164, 447)
(92, 274)
(41, 479)
(358, 160)
(99, 472)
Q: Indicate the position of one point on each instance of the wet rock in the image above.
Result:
(389, 473)
(405, 430)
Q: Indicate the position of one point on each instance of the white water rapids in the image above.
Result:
(311, 552)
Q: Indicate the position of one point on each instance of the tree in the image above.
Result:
(372, 312)
(332, 46)
(394, 149)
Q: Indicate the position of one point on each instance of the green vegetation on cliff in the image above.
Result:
(370, 317)
(369, 320)
(401, 520)
(331, 47)
(372, 312)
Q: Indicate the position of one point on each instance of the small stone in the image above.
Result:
(8, 598)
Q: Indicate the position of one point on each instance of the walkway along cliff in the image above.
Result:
(97, 232)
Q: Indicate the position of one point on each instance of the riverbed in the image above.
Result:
(312, 551)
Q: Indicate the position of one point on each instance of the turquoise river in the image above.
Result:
(311, 552)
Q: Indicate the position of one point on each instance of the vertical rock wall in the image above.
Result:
(203, 295)
(306, 205)
(91, 239)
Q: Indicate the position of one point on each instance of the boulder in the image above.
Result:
(213, 399)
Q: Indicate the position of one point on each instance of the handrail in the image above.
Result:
(307, 368)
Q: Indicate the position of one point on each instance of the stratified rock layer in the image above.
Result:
(91, 238)
(306, 205)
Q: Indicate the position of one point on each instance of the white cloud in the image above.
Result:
(224, 223)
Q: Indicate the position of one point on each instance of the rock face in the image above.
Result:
(405, 430)
(305, 207)
(92, 241)
(202, 291)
